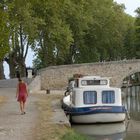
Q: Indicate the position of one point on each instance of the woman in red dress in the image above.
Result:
(21, 95)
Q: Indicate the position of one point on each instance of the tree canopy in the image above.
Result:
(4, 31)
(65, 32)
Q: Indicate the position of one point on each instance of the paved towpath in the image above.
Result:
(13, 125)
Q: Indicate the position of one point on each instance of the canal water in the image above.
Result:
(128, 130)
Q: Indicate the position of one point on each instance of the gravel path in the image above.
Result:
(13, 125)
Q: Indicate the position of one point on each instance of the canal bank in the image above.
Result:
(52, 122)
(58, 131)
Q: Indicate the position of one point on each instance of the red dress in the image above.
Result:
(22, 92)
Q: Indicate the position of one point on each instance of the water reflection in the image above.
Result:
(113, 131)
(131, 101)
(128, 130)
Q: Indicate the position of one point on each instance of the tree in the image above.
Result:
(128, 51)
(97, 30)
(104, 39)
(65, 22)
(4, 35)
(54, 36)
(137, 34)
(23, 28)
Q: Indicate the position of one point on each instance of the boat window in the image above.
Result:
(90, 97)
(108, 97)
(93, 82)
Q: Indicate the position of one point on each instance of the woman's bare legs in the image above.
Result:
(22, 107)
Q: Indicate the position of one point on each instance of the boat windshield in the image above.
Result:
(93, 82)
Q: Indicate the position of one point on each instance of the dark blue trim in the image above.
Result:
(93, 110)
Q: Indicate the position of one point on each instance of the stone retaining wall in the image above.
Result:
(35, 85)
(56, 77)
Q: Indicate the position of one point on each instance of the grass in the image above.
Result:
(71, 135)
(46, 129)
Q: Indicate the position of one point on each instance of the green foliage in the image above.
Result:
(137, 34)
(73, 136)
(104, 39)
(54, 35)
(4, 32)
(23, 32)
(100, 30)
(128, 51)
(67, 31)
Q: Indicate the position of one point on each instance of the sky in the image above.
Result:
(130, 5)
(28, 61)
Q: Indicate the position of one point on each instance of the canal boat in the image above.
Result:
(90, 99)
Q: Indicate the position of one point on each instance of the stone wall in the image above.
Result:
(56, 77)
(35, 85)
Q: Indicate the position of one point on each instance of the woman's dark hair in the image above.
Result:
(19, 79)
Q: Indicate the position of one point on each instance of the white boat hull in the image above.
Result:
(99, 118)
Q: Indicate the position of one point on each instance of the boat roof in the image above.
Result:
(96, 88)
(79, 80)
(87, 81)
(94, 77)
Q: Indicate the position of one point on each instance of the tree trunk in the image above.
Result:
(12, 68)
(22, 67)
(12, 65)
(2, 76)
(17, 66)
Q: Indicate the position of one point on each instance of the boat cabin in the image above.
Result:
(94, 91)
(96, 97)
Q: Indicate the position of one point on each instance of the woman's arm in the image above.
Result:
(27, 90)
(17, 92)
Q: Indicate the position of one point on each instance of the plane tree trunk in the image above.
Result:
(2, 76)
